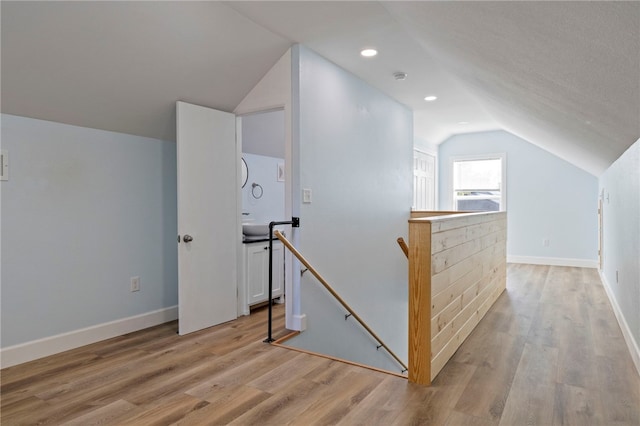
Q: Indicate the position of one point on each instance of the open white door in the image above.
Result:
(208, 215)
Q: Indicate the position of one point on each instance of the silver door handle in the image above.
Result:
(187, 238)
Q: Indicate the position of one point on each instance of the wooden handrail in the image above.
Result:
(330, 289)
(403, 246)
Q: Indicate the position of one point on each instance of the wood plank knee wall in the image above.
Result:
(457, 270)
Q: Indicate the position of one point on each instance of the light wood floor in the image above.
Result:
(548, 353)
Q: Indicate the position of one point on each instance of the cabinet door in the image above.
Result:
(257, 271)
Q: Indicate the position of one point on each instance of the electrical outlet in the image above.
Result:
(545, 242)
(135, 284)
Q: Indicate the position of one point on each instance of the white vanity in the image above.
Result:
(255, 273)
(262, 200)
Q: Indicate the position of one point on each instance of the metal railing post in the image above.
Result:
(295, 223)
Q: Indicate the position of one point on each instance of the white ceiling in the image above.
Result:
(563, 75)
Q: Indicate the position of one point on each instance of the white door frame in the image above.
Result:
(288, 202)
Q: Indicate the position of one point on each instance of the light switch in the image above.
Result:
(306, 196)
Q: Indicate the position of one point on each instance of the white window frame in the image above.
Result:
(498, 156)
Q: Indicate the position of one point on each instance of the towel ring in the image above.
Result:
(253, 190)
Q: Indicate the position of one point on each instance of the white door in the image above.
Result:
(424, 181)
(208, 194)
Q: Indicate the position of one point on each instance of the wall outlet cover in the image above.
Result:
(135, 284)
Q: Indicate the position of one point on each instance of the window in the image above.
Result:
(479, 183)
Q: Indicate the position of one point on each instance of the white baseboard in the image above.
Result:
(300, 322)
(626, 331)
(28, 351)
(553, 261)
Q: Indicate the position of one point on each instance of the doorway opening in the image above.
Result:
(263, 200)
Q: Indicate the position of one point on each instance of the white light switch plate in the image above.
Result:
(4, 164)
(306, 196)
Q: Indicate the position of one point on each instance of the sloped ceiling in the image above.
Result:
(121, 66)
(562, 75)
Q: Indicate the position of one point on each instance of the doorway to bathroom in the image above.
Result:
(263, 201)
(263, 150)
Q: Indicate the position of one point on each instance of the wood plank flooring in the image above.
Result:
(549, 352)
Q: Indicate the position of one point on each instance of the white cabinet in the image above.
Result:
(255, 274)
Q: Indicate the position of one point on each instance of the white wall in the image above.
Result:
(547, 198)
(425, 146)
(620, 185)
(264, 133)
(355, 154)
(265, 203)
(83, 211)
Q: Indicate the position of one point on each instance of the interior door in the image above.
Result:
(424, 179)
(208, 229)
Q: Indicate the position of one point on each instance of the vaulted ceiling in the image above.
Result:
(562, 75)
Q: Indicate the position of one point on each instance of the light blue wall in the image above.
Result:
(620, 185)
(84, 210)
(355, 149)
(270, 206)
(547, 197)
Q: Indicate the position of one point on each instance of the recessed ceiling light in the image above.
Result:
(430, 98)
(368, 53)
(463, 123)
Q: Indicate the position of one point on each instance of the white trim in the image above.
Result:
(553, 261)
(300, 322)
(428, 151)
(626, 331)
(28, 351)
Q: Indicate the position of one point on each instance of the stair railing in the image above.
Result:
(344, 304)
(403, 246)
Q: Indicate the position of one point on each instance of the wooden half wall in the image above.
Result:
(457, 270)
